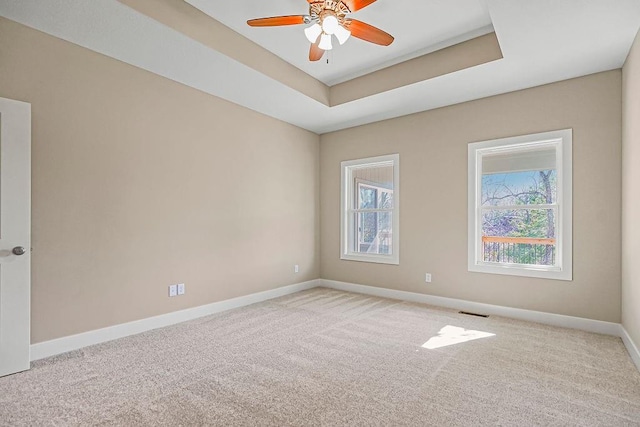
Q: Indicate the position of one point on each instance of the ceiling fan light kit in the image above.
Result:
(313, 32)
(329, 18)
(342, 34)
(325, 42)
(330, 24)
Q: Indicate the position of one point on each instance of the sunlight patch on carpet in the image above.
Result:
(450, 335)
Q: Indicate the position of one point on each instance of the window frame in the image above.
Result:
(562, 140)
(349, 186)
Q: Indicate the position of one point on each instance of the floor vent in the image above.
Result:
(473, 314)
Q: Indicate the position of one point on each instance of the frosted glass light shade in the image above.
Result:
(342, 34)
(330, 24)
(313, 32)
(325, 42)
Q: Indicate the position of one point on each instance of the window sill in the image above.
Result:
(376, 259)
(553, 273)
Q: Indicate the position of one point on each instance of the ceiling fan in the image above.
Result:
(329, 17)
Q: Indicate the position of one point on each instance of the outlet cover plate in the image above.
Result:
(173, 290)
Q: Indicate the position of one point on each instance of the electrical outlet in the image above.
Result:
(180, 288)
(173, 290)
(296, 269)
(427, 277)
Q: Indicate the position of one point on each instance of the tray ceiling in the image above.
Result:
(541, 42)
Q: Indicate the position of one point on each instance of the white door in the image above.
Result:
(15, 235)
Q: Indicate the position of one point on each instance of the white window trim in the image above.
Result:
(346, 194)
(564, 249)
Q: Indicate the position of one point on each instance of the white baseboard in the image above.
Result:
(589, 325)
(631, 346)
(74, 342)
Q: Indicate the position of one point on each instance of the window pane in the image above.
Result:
(374, 234)
(371, 196)
(532, 223)
(519, 236)
(519, 188)
(367, 227)
(385, 199)
(367, 197)
(374, 187)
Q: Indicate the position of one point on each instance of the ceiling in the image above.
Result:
(418, 26)
(542, 41)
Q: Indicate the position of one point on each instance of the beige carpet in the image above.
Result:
(324, 357)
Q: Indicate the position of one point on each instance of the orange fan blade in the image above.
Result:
(315, 53)
(368, 32)
(354, 5)
(275, 21)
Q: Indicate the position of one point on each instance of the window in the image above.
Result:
(369, 210)
(520, 206)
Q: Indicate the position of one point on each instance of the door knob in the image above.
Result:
(18, 250)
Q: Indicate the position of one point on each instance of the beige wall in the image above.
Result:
(631, 193)
(140, 182)
(433, 210)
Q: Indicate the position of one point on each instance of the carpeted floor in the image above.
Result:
(324, 357)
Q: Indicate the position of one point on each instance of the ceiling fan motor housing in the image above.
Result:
(321, 9)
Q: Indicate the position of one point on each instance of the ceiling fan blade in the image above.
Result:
(275, 21)
(315, 53)
(368, 32)
(354, 5)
